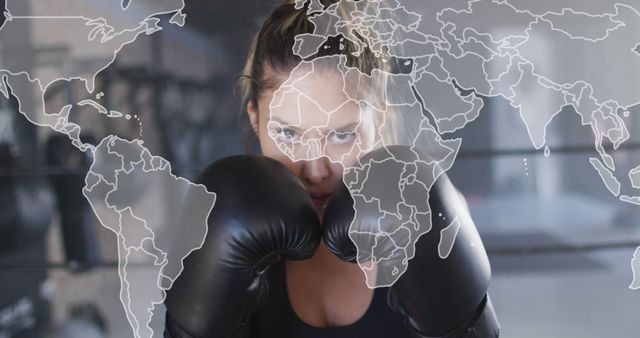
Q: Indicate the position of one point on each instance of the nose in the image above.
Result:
(317, 170)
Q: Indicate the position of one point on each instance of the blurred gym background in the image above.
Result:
(560, 244)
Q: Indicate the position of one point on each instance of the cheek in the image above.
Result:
(342, 153)
(337, 170)
(336, 176)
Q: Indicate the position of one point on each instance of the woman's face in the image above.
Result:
(311, 126)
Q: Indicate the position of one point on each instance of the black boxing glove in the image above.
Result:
(262, 214)
(442, 291)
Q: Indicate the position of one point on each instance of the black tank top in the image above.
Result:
(277, 319)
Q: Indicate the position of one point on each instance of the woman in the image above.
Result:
(265, 271)
(304, 118)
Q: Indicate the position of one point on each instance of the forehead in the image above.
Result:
(313, 98)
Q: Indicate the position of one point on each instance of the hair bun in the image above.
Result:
(302, 3)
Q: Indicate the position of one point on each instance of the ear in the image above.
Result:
(252, 111)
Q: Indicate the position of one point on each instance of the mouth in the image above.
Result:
(320, 200)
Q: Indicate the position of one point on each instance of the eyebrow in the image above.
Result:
(282, 122)
(285, 124)
(348, 127)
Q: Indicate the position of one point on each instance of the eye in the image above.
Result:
(342, 137)
(286, 134)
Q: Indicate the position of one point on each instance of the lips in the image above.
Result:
(320, 199)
